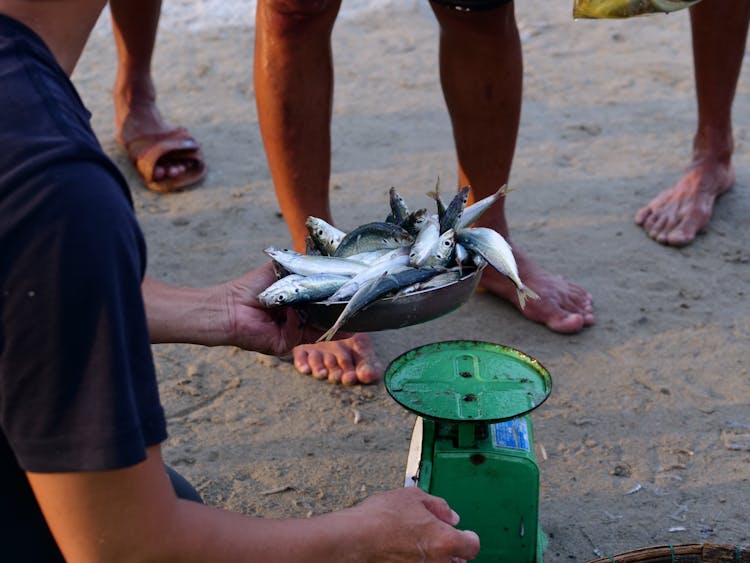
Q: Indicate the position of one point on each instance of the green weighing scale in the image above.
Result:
(472, 442)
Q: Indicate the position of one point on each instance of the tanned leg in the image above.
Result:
(678, 214)
(481, 73)
(134, 23)
(293, 75)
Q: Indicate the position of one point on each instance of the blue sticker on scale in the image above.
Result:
(512, 433)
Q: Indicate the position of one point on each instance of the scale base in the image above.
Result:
(493, 487)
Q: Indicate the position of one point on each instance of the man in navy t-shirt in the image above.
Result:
(78, 384)
(80, 417)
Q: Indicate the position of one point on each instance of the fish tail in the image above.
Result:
(329, 334)
(524, 293)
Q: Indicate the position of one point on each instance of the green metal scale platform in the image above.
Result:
(473, 439)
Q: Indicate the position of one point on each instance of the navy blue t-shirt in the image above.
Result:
(78, 389)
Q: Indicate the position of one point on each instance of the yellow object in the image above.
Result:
(610, 9)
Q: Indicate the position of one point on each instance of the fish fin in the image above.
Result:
(525, 293)
(329, 334)
(505, 190)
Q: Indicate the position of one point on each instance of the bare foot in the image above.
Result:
(678, 214)
(562, 306)
(348, 361)
(140, 126)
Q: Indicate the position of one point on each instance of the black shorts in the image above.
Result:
(472, 5)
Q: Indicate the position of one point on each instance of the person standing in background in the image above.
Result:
(167, 158)
(480, 64)
(679, 213)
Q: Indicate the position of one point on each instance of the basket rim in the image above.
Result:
(674, 553)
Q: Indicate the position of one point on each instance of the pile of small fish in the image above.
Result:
(408, 251)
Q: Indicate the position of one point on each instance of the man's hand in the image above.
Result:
(252, 326)
(408, 525)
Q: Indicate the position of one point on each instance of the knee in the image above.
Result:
(293, 17)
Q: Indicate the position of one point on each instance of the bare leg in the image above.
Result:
(679, 213)
(134, 23)
(294, 90)
(481, 73)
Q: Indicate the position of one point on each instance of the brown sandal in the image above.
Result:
(147, 151)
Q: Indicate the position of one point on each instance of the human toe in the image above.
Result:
(579, 299)
(175, 170)
(310, 362)
(349, 378)
(568, 323)
(159, 173)
(335, 375)
(651, 219)
(319, 371)
(679, 236)
(301, 362)
(368, 372)
(657, 223)
(642, 215)
(330, 370)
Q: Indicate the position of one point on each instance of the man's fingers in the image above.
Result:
(467, 545)
(439, 507)
(464, 543)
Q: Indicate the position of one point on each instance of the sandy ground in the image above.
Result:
(634, 450)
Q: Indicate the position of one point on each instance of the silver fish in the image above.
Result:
(371, 256)
(376, 270)
(311, 249)
(472, 212)
(425, 243)
(326, 237)
(438, 280)
(296, 289)
(443, 252)
(415, 221)
(373, 236)
(310, 265)
(452, 214)
(399, 209)
(461, 255)
(373, 289)
(478, 260)
(491, 246)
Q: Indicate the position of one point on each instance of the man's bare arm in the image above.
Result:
(225, 314)
(132, 514)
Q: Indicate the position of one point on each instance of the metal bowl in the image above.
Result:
(389, 313)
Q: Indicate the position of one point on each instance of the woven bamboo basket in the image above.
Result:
(685, 553)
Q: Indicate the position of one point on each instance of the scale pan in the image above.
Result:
(467, 381)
